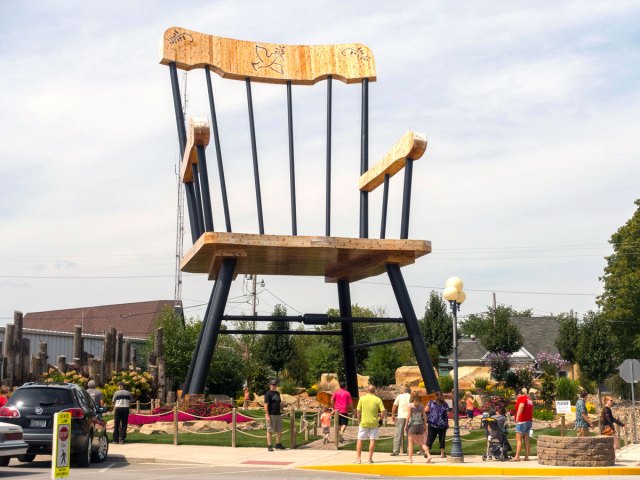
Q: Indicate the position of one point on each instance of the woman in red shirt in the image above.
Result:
(524, 420)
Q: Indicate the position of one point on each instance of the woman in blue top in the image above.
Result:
(437, 421)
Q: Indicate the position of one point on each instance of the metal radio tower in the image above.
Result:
(177, 292)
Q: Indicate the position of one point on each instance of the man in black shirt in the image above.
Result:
(273, 415)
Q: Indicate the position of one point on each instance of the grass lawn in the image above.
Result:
(224, 439)
(473, 443)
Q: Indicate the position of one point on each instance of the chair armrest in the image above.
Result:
(197, 136)
(412, 145)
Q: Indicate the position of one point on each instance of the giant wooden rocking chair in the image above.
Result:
(223, 254)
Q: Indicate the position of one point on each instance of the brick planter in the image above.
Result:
(576, 451)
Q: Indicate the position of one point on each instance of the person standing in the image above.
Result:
(469, 406)
(325, 422)
(524, 420)
(121, 404)
(415, 427)
(95, 394)
(342, 403)
(583, 424)
(273, 415)
(437, 422)
(399, 414)
(4, 395)
(608, 420)
(371, 413)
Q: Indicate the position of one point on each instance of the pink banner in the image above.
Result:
(135, 419)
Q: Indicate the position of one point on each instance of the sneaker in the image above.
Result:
(341, 438)
(324, 441)
(394, 454)
(370, 461)
(121, 442)
(270, 448)
(279, 446)
(357, 461)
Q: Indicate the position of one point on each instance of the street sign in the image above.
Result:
(563, 406)
(630, 373)
(61, 447)
(630, 370)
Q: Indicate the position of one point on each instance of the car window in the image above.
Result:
(85, 400)
(41, 397)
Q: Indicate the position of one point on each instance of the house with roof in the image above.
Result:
(539, 335)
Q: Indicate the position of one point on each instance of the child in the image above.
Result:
(325, 421)
(469, 407)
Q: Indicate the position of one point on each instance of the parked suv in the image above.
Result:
(33, 405)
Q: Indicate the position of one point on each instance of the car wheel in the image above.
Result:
(100, 455)
(27, 457)
(4, 461)
(83, 456)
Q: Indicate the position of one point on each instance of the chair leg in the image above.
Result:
(196, 351)
(348, 341)
(413, 329)
(211, 326)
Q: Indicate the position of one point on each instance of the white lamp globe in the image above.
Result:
(455, 282)
(450, 293)
(461, 297)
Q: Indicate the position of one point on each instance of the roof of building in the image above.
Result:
(539, 334)
(136, 320)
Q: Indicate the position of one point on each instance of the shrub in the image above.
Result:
(287, 386)
(162, 410)
(543, 414)
(55, 375)
(567, 389)
(446, 383)
(511, 380)
(499, 364)
(136, 382)
(312, 391)
(481, 383)
(525, 376)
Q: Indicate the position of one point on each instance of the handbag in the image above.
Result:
(607, 430)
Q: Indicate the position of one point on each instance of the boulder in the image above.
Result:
(409, 376)
(363, 380)
(329, 382)
(158, 427)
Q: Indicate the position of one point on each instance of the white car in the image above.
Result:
(11, 443)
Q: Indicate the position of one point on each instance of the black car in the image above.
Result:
(33, 405)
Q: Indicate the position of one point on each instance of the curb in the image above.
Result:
(474, 470)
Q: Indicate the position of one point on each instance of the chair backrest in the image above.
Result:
(276, 64)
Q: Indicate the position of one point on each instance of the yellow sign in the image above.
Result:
(61, 445)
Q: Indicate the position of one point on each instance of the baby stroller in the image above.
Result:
(495, 430)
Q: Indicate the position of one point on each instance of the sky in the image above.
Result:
(530, 109)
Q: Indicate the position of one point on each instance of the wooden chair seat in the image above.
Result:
(335, 258)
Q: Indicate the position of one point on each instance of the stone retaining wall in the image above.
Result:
(576, 451)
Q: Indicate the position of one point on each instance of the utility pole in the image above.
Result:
(494, 309)
(253, 292)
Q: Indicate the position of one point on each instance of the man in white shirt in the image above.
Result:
(399, 413)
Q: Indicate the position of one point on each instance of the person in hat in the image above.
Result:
(273, 415)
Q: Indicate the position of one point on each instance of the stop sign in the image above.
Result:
(630, 370)
(63, 434)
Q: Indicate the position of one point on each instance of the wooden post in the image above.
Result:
(157, 342)
(77, 346)
(119, 348)
(562, 426)
(43, 357)
(114, 351)
(35, 366)
(134, 357)
(9, 353)
(306, 427)
(26, 358)
(138, 406)
(162, 393)
(61, 363)
(175, 425)
(233, 427)
(292, 426)
(17, 338)
(127, 353)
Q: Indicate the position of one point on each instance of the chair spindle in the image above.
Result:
(254, 152)
(292, 170)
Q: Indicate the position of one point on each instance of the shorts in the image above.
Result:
(470, 414)
(524, 427)
(326, 430)
(417, 429)
(343, 419)
(275, 425)
(368, 433)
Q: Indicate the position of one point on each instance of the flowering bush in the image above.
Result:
(550, 363)
(136, 382)
(499, 364)
(55, 375)
(161, 410)
(209, 410)
(524, 375)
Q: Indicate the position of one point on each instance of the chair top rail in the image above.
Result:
(267, 62)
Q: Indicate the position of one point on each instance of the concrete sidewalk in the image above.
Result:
(342, 461)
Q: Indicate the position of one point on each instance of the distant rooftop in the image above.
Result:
(136, 320)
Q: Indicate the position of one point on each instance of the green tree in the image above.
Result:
(480, 325)
(500, 334)
(596, 348)
(277, 349)
(620, 301)
(225, 372)
(568, 336)
(382, 364)
(437, 326)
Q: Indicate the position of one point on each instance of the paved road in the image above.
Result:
(41, 469)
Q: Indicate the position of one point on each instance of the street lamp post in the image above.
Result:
(454, 294)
